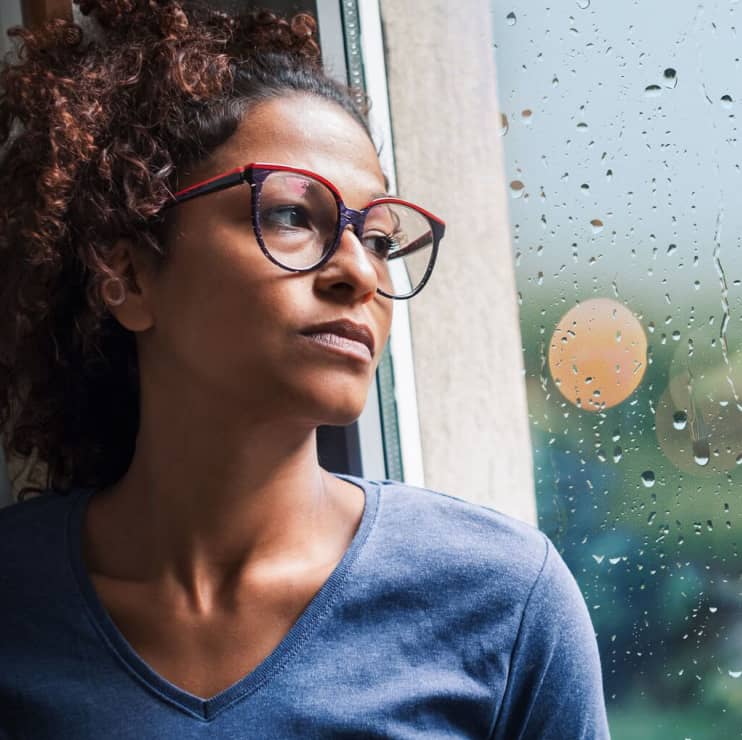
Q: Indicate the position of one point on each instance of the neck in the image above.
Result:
(208, 496)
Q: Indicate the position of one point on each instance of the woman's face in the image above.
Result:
(242, 331)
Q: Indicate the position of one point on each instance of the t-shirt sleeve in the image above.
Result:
(555, 687)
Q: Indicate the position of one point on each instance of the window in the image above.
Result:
(619, 125)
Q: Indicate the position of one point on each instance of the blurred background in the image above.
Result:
(619, 123)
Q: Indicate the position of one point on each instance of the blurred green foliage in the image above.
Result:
(654, 548)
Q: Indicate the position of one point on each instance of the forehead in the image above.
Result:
(307, 132)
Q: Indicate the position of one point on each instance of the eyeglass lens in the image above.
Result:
(298, 221)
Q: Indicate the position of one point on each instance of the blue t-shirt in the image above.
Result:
(442, 620)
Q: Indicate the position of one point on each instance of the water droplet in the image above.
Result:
(670, 78)
(617, 454)
(652, 91)
(734, 674)
(738, 459)
(582, 126)
(680, 420)
(713, 609)
(526, 115)
(598, 558)
(597, 225)
(614, 561)
(648, 478)
(504, 125)
(555, 81)
(701, 452)
(511, 19)
(516, 188)
(583, 4)
(726, 101)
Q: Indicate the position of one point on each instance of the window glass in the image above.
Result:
(620, 130)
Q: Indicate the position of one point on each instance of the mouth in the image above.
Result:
(344, 337)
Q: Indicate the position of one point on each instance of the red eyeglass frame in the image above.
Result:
(255, 174)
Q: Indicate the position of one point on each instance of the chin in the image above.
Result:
(340, 415)
(337, 407)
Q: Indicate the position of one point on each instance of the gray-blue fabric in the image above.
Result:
(442, 620)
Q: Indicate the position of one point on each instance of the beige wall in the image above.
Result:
(465, 331)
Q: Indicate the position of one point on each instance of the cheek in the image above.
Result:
(214, 299)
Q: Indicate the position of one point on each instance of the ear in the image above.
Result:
(129, 265)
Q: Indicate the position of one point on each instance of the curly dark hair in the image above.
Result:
(93, 133)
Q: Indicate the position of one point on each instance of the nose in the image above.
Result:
(349, 274)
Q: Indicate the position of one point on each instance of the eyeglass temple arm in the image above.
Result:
(421, 241)
(214, 186)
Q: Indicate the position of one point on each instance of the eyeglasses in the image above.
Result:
(299, 217)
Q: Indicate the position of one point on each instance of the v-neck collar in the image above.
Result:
(207, 709)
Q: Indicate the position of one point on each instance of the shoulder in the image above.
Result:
(452, 540)
(32, 527)
(33, 509)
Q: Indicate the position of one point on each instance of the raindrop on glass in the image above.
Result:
(701, 452)
(726, 101)
(583, 4)
(597, 225)
(679, 420)
(516, 188)
(504, 125)
(647, 478)
(511, 19)
(652, 91)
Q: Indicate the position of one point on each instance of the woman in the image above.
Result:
(199, 263)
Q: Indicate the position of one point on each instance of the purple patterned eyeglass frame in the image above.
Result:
(255, 175)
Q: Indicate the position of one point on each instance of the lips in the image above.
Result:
(345, 329)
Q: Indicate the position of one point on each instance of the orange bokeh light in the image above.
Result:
(598, 354)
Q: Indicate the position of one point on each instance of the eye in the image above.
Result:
(381, 245)
(286, 217)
